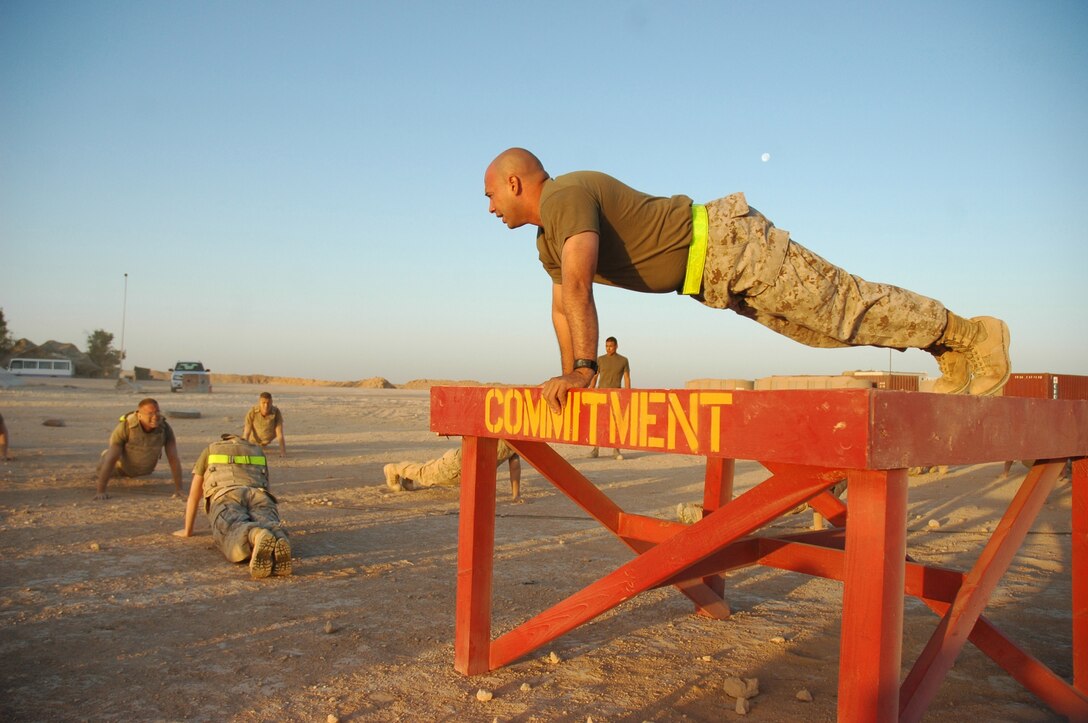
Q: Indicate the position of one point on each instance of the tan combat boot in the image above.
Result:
(955, 373)
(984, 341)
(392, 479)
(263, 542)
(281, 557)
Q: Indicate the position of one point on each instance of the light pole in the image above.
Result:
(124, 312)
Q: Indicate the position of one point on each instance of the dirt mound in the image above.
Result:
(428, 383)
(371, 383)
(374, 383)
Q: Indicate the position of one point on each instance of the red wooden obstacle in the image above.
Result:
(808, 440)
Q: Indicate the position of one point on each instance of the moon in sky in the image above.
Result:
(765, 157)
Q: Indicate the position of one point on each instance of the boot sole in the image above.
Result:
(281, 558)
(961, 390)
(260, 563)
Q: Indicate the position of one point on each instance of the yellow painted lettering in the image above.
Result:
(575, 415)
(620, 421)
(593, 400)
(650, 420)
(715, 400)
(492, 421)
(555, 424)
(512, 412)
(688, 422)
(536, 415)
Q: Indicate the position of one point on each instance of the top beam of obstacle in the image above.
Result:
(838, 428)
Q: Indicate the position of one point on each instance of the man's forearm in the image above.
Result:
(191, 506)
(562, 336)
(106, 468)
(171, 450)
(580, 311)
(103, 477)
(190, 514)
(196, 495)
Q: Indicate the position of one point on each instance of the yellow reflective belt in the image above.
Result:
(241, 459)
(700, 225)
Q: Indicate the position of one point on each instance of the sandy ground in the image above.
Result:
(104, 615)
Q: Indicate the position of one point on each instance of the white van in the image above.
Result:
(42, 367)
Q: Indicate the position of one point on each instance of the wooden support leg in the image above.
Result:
(717, 491)
(475, 556)
(1080, 574)
(718, 487)
(944, 646)
(872, 609)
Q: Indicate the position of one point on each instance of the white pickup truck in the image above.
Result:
(190, 376)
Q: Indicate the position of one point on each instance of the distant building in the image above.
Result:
(899, 381)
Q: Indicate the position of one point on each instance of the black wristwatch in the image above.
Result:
(590, 364)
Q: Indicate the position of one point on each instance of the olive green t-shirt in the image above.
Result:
(610, 370)
(643, 239)
(262, 428)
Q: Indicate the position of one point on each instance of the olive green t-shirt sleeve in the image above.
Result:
(643, 239)
(201, 465)
(569, 211)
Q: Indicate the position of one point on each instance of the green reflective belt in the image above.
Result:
(700, 225)
(240, 459)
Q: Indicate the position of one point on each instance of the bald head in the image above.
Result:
(513, 183)
(519, 162)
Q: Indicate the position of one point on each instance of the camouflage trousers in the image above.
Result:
(754, 268)
(444, 471)
(238, 510)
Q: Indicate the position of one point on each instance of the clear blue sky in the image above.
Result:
(296, 188)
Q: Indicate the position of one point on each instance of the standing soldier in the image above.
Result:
(613, 372)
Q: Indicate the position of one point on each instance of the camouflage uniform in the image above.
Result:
(237, 498)
(754, 268)
(238, 510)
(444, 471)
